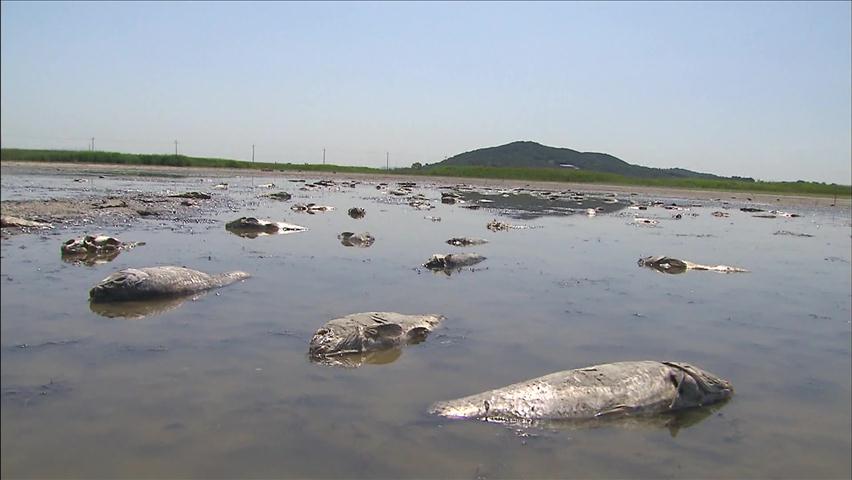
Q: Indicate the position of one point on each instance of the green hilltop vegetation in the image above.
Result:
(536, 155)
(527, 173)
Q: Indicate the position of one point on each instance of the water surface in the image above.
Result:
(221, 386)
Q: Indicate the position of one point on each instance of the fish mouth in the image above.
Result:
(459, 409)
(713, 387)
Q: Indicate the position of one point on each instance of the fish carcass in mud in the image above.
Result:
(311, 208)
(364, 333)
(153, 282)
(673, 265)
(92, 249)
(251, 227)
(600, 391)
(15, 222)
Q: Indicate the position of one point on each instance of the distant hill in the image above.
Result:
(532, 154)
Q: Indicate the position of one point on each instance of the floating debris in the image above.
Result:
(356, 212)
(350, 239)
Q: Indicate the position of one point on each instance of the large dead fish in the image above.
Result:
(94, 249)
(251, 227)
(452, 261)
(363, 333)
(673, 265)
(612, 389)
(153, 282)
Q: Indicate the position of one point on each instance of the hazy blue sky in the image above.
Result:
(756, 89)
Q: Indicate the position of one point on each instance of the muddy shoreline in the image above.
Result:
(767, 198)
(131, 207)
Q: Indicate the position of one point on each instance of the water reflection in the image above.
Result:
(136, 309)
(673, 422)
(90, 259)
(355, 360)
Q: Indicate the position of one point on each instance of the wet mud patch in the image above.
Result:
(101, 211)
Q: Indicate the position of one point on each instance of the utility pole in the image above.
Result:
(252, 153)
(387, 160)
(176, 142)
(323, 156)
(93, 144)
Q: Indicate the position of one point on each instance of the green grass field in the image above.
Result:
(507, 173)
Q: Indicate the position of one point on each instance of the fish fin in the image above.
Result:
(417, 334)
(388, 330)
(618, 409)
(677, 381)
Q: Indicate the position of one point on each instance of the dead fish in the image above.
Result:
(466, 242)
(645, 221)
(793, 234)
(673, 265)
(452, 261)
(311, 208)
(283, 196)
(251, 227)
(608, 390)
(496, 226)
(152, 282)
(15, 222)
(784, 214)
(356, 212)
(363, 333)
(94, 249)
(350, 239)
(721, 214)
(751, 209)
(194, 195)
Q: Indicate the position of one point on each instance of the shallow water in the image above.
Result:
(221, 385)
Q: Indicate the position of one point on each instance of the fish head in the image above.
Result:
(330, 341)
(438, 261)
(121, 285)
(696, 387)
(468, 407)
(74, 245)
(663, 264)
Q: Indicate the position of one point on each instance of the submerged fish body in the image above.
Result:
(154, 282)
(466, 241)
(624, 388)
(350, 239)
(252, 227)
(94, 249)
(362, 333)
(665, 264)
(452, 261)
